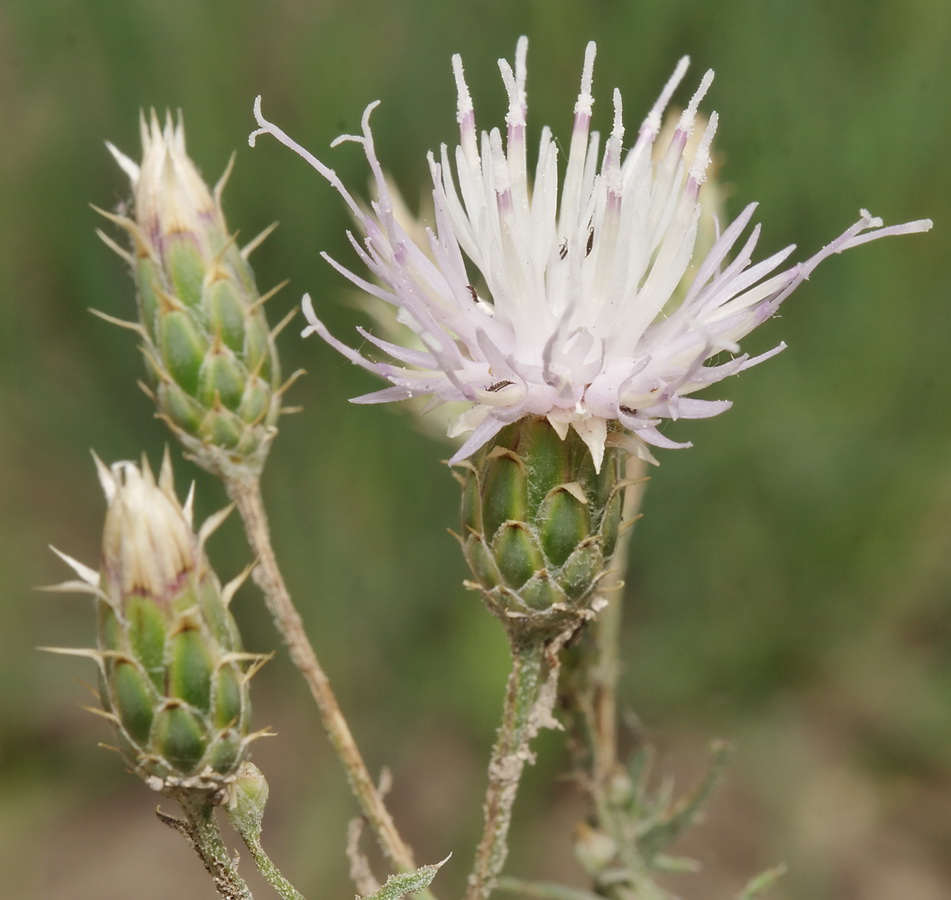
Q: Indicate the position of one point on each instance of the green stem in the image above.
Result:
(266, 867)
(523, 714)
(246, 493)
(200, 829)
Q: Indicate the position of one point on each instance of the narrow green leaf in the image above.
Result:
(761, 883)
(406, 883)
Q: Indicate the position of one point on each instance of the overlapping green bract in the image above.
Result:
(173, 675)
(212, 362)
(208, 349)
(540, 525)
(170, 676)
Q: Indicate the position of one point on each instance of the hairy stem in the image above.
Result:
(200, 829)
(246, 494)
(271, 873)
(527, 708)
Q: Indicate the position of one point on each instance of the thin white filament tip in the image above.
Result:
(464, 104)
(690, 113)
(521, 51)
(653, 120)
(701, 159)
(516, 113)
(266, 127)
(618, 130)
(259, 118)
(358, 138)
(585, 99)
(313, 323)
(881, 230)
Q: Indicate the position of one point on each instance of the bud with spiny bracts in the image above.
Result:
(213, 366)
(173, 674)
(540, 526)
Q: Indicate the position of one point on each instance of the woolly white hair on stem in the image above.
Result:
(535, 301)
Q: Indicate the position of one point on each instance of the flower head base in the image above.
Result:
(539, 527)
(569, 307)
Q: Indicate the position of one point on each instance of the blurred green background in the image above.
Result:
(789, 583)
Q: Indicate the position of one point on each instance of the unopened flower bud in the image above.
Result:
(247, 799)
(173, 675)
(213, 364)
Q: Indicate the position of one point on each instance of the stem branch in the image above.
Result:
(270, 872)
(200, 829)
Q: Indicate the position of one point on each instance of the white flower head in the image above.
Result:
(542, 295)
